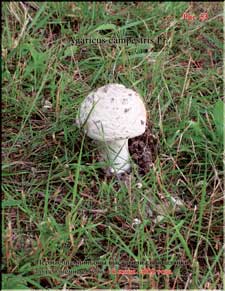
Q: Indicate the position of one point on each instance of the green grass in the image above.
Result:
(57, 205)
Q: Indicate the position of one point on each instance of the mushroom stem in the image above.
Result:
(116, 152)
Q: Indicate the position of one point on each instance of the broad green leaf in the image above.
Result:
(9, 203)
(70, 51)
(106, 26)
(218, 114)
(13, 282)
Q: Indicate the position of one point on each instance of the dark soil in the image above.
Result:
(143, 150)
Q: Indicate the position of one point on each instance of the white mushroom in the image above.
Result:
(111, 115)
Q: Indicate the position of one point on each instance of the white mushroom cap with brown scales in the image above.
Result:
(112, 115)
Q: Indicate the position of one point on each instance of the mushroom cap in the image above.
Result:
(112, 112)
